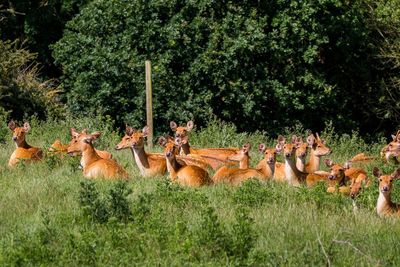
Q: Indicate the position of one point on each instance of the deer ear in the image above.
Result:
(74, 133)
(279, 147)
(146, 131)
(12, 125)
(173, 126)
(246, 147)
(347, 165)
(189, 126)
(95, 135)
(376, 172)
(262, 148)
(27, 127)
(129, 130)
(311, 140)
(394, 137)
(281, 140)
(396, 174)
(294, 139)
(162, 141)
(328, 163)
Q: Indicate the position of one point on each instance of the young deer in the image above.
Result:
(93, 165)
(189, 175)
(149, 164)
(358, 183)
(181, 136)
(23, 151)
(384, 205)
(389, 155)
(269, 166)
(318, 150)
(235, 176)
(102, 153)
(336, 177)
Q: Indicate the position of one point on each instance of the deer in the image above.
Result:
(23, 151)
(318, 150)
(149, 164)
(102, 153)
(235, 176)
(182, 138)
(269, 166)
(92, 164)
(292, 174)
(357, 184)
(389, 155)
(385, 206)
(58, 147)
(179, 172)
(301, 153)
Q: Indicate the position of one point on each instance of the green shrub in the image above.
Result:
(259, 65)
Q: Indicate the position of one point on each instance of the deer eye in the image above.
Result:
(380, 179)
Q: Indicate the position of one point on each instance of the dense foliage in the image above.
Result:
(261, 65)
(22, 92)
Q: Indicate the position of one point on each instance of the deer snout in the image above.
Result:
(288, 154)
(168, 154)
(331, 177)
(352, 195)
(14, 138)
(385, 188)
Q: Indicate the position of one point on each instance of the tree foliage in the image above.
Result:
(22, 92)
(259, 64)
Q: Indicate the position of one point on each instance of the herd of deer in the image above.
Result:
(189, 166)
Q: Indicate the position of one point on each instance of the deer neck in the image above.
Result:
(173, 167)
(384, 204)
(292, 174)
(301, 163)
(185, 148)
(89, 156)
(140, 158)
(268, 169)
(314, 162)
(244, 162)
(23, 144)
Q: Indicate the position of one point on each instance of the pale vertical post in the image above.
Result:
(149, 104)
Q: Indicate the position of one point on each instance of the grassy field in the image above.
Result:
(51, 215)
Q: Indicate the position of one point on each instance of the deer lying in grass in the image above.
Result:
(93, 165)
(358, 183)
(384, 205)
(318, 150)
(301, 153)
(188, 175)
(269, 166)
(292, 174)
(23, 151)
(391, 151)
(235, 176)
(149, 164)
(102, 153)
(58, 147)
(181, 135)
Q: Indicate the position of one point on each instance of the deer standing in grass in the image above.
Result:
(93, 165)
(23, 151)
(318, 149)
(269, 166)
(384, 205)
(149, 164)
(235, 176)
(188, 175)
(182, 138)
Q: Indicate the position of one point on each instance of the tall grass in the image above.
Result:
(51, 215)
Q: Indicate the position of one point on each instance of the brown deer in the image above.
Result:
(188, 175)
(235, 176)
(318, 150)
(384, 205)
(182, 138)
(102, 153)
(93, 165)
(23, 151)
(269, 166)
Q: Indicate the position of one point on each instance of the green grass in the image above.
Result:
(51, 215)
